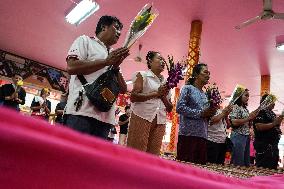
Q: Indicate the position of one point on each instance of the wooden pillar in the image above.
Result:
(265, 84)
(193, 59)
(173, 136)
(194, 46)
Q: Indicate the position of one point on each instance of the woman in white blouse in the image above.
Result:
(150, 101)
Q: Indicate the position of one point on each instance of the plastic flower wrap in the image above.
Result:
(140, 24)
(174, 73)
(238, 91)
(270, 99)
(214, 96)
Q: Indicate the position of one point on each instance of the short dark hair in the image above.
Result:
(195, 72)
(107, 21)
(127, 108)
(14, 74)
(149, 57)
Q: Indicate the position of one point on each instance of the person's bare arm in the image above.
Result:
(123, 122)
(86, 67)
(217, 118)
(225, 112)
(59, 112)
(267, 126)
(239, 122)
(47, 110)
(167, 103)
(137, 95)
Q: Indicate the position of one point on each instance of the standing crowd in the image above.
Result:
(202, 133)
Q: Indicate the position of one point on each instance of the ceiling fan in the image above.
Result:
(266, 14)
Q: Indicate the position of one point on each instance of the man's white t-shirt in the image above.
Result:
(87, 48)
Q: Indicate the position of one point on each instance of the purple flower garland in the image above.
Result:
(174, 73)
(214, 96)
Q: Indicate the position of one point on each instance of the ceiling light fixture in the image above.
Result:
(280, 47)
(280, 42)
(129, 82)
(82, 11)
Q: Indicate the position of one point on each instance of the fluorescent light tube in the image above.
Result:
(82, 11)
(280, 47)
(128, 82)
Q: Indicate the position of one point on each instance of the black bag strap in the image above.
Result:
(79, 100)
(82, 79)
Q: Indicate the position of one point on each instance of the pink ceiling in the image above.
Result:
(37, 30)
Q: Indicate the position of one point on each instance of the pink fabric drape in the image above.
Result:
(34, 154)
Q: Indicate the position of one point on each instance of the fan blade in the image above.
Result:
(278, 16)
(140, 47)
(129, 59)
(267, 5)
(248, 22)
(138, 59)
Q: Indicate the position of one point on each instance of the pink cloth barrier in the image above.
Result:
(252, 150)
(34, 154)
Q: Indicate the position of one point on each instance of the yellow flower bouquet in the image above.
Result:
(238, 91)
(270, 99)
(140, 24)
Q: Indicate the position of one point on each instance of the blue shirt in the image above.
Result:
(191, 103)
